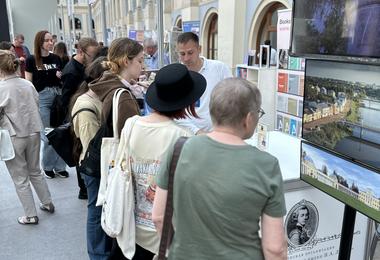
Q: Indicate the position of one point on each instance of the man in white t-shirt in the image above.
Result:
(189, 50)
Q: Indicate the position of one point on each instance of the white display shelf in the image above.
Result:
(265, 78)
(286, 149)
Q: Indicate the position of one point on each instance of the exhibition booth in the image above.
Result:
(322, 110)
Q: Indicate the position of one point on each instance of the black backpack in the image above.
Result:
(65, 143)
(90, 165)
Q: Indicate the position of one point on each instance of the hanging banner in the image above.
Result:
(290, 80)
(132, 34)
(191, 26)
(284, 23)
(140, 36)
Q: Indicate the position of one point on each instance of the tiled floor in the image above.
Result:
(60, 236)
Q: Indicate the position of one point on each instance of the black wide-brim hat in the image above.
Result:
(175, 88)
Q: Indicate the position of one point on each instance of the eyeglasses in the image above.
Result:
(85, 52)
(91, 56)
(261, 112)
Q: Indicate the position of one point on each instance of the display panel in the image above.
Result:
(336, 27)
(342, 109)
(352, 184)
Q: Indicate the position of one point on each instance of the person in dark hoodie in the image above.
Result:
(73, 75)
(124, 65)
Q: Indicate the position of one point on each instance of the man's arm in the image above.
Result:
(26, 50)
(69, 87)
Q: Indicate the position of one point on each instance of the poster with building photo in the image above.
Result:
(313, 230)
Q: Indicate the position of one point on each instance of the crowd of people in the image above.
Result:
(228, 198)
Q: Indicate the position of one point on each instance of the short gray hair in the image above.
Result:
(150, 42)
(232, 99)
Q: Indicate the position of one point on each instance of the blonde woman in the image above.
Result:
(20, 116)
(124, 65)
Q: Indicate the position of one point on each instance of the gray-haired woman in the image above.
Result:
(223, 187)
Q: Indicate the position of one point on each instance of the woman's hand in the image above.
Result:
(58, 74)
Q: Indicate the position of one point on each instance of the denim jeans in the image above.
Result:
(50, 159)
(99, 245)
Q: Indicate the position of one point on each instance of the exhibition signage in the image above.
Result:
(137, 35)
(283, 28)
(290, 80)
(320, 234)
(191, 26)
(132, 34)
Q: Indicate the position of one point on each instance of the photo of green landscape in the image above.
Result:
(342, 109)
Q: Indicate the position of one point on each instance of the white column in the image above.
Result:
(63, 24)
(139, 18)
(150, 17)
(231, 24)
(104, 24)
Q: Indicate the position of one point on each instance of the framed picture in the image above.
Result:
(342, 109)
(313, 229)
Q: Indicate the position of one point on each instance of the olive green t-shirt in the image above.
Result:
(220, 192)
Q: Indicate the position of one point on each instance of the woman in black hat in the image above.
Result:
(172, 95)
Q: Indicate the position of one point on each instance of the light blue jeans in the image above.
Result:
(50, 159)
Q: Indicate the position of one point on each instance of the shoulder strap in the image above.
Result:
(80, 110)
(167, 230)
(115, 109)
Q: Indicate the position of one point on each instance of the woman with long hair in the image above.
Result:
(20, 116)
(60, 50)
(43, 69)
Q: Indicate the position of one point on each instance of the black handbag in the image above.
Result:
(65, 143)
(57, 112)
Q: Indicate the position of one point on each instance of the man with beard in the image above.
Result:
(72, 76)
(73, 73)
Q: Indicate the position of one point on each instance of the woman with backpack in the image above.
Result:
(19, 115)
(86, 109)
(172, 96)
(124, 64)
